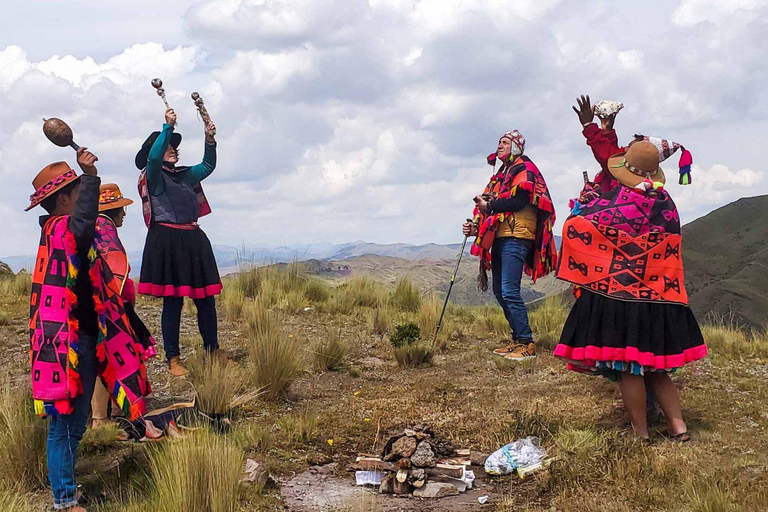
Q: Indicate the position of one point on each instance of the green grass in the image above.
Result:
(547, 321)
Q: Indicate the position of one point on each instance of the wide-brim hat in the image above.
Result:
(143, 154)
(638, 163)
(110, 197)
(50, 180)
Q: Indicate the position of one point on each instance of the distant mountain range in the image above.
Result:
(229, 259)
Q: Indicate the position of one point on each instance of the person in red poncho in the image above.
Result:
(513, 221)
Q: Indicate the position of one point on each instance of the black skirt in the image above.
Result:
(652, 335)
(178, 262)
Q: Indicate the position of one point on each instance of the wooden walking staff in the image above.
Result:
(158, 84)
(59, 132)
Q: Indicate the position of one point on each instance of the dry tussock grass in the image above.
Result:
(380, 321)
(22, 440)
(274, 359)
(330, 353)
(406, 296)
(300, 427)
(19, 285)
(216, 383)
(200, 472)
(427, 318)
(729, 342)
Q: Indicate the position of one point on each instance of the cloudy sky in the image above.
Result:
(345, 120)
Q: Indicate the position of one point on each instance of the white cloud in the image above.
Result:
(692, 12)
(371, 120)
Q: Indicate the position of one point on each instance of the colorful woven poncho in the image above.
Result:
(626, 245)
(54, 357)
(514, 175)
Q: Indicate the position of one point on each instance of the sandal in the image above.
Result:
(682, 437)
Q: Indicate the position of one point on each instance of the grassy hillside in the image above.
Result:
(726, 262)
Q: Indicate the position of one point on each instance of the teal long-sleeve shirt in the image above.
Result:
(191, 176)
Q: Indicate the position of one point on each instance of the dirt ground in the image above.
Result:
(477, 401)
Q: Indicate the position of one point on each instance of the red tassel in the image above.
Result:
(686, 158)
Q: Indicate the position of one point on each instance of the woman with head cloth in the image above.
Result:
(178, 259)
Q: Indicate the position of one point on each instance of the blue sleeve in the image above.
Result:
(155, 160)
(199, 172)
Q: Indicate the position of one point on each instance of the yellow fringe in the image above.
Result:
(121, 396)
(73, 359)
(39, 407)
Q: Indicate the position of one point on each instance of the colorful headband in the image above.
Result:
(46, 189)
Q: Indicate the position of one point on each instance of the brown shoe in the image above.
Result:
(175, 367)
(76, 508)
(522, 352)
(506, 349)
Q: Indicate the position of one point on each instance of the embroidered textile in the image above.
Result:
(626, 245)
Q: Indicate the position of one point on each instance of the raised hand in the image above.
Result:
(86, 161)
(170, 117)
(586, 111)
(210, 132)
(606, 123)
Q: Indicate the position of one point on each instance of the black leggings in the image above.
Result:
(206, 322)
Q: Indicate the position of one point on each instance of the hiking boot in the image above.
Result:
(522, 352)
(175, 367)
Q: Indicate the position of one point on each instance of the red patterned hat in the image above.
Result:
(517, 139)
(51, 179)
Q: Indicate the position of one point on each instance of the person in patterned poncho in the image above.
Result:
(513, 221)
(631, 321)
(78, 326)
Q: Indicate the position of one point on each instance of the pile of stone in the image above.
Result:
(416, 461)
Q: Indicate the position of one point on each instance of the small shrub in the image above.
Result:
(405, 334)
(22, 440)
(274, 359)
(99, 440)
(414, 354)
(216, 383)
(406, 296)
(380, 321)
(199, 472)
(547, 321)
(299, 428)
(331, 353)
(317, 291)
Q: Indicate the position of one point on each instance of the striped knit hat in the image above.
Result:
(667, 149)
(518, 142)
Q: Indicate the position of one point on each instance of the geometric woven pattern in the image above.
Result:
(625, 245)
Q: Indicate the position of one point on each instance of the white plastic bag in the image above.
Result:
(369, 477)
(521, 453)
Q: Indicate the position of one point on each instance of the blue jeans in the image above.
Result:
(66, 430)
(507, 258)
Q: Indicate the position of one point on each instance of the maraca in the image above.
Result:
(59, 133)
(158, 84)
